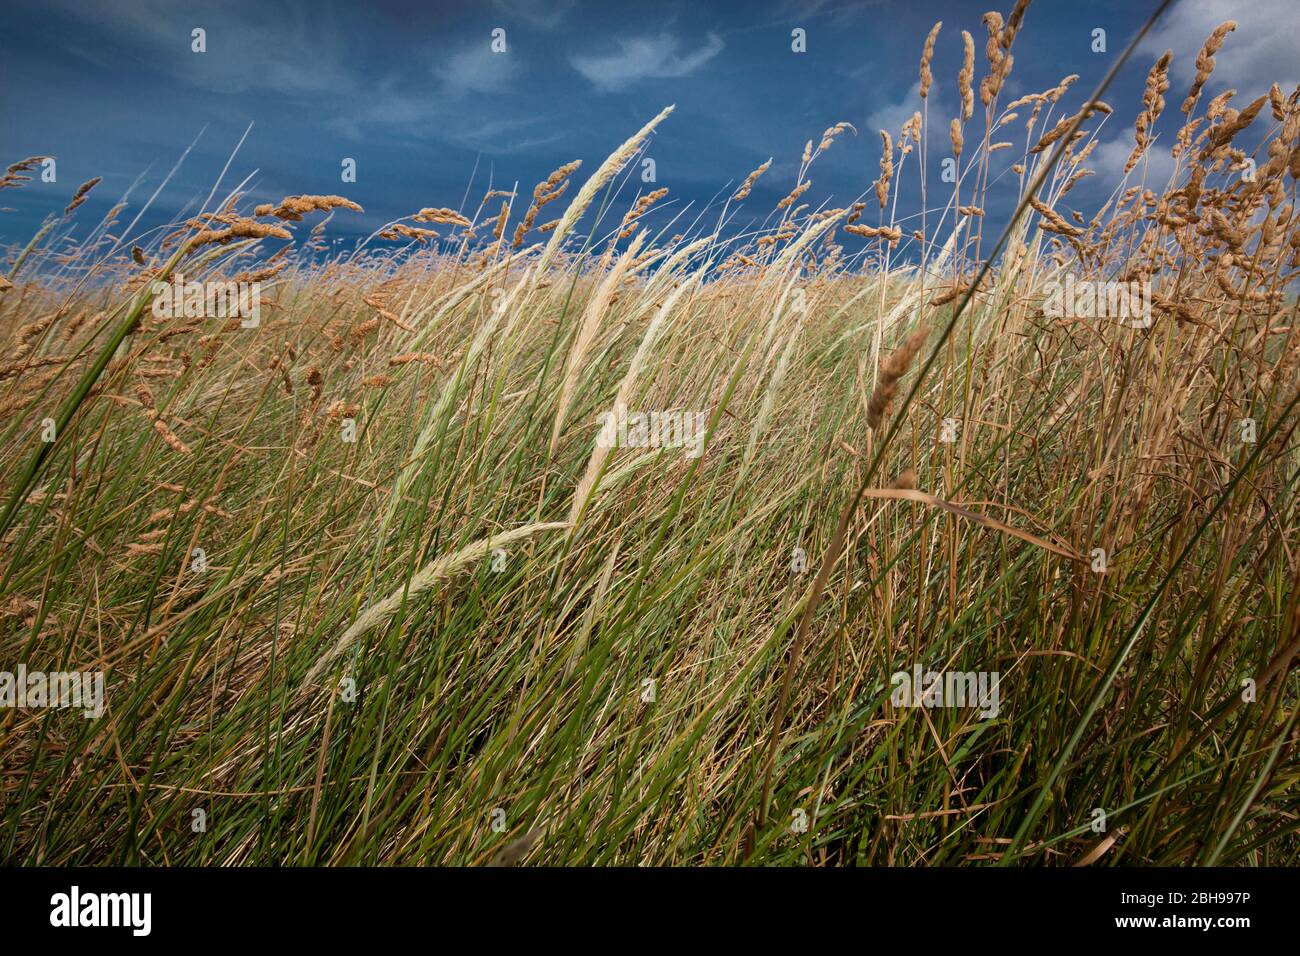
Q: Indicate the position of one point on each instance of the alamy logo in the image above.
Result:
(618, 429)
(211, 300)
(103, 909)
(1123, 301)
(82, 689)
(947, 689)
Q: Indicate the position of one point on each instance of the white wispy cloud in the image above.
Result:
(891, 116)
(421, 117)
(1155, 166)
(478, 69)
(645, 58)
(1260, 52)
(500, 137)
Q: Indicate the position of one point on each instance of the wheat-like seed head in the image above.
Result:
(607, 171)
(891, 372)
(1153, 101)
(886, 168)
(80, 195)
(447, 217)
(967, 76)
(1205, 63)
(752, 178)
(927, 55)
(293, 208)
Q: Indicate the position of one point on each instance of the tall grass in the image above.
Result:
(476, 634)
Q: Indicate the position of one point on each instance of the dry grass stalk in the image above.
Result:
(588, 326)
(608, 169)
(587, 484)
(428, 576)
(642, 206)
(547, 191)
(1153, 101)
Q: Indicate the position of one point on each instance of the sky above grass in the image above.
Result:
(414, 93)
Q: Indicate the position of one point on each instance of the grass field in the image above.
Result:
(369, 583)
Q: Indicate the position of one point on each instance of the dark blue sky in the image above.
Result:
(414, 93)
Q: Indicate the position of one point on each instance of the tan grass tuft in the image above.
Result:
(886, 168)
(400, 231)
(447, 217)
(891, 373)
(642, 206)
(13, 177)
(607, 170)
(906, 479)
(927, 55)
(798, 191)
(1205, 63)
(752, 178)
(293, 208)
(170, 437)
(967, 76)
(1153, 102)
(80, 195)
